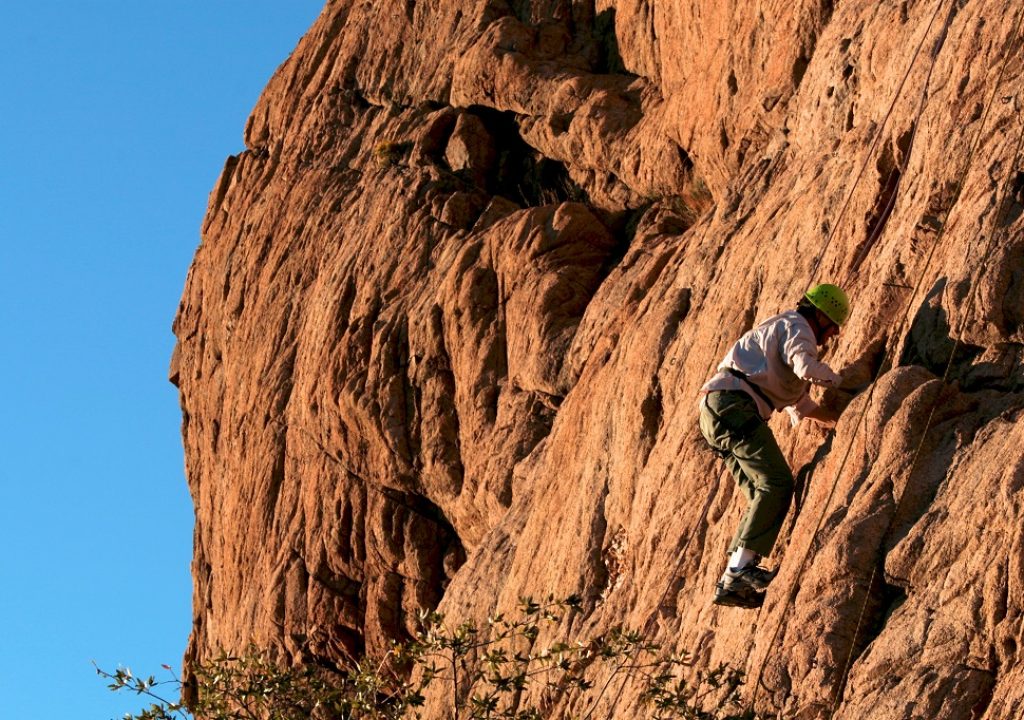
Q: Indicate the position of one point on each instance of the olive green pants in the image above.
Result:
(732, 426)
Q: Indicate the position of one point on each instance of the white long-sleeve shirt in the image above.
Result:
(781, 357)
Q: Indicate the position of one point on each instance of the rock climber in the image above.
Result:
(770, 368)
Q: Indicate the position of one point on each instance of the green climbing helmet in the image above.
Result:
(831, 300)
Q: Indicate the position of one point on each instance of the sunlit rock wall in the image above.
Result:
(441, 343)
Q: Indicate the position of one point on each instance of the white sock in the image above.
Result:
(741, 558)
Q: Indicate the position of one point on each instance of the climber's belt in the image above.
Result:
(753, 386)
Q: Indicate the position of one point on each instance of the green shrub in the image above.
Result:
(390, 153)
(493, 672)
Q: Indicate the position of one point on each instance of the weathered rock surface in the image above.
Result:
(441, 343)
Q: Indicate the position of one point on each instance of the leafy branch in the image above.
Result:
(498, 670)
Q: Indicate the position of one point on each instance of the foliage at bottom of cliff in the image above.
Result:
(490, 672)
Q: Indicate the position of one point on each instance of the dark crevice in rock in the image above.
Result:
(1006, 375)
(1013, 205)
(446, 538)
(226, 176)
(800, 66)
(394, 407)
(803, 60)
(441, 545)
(440, 368)
(559, 123)
(651, 412)
(882, 602)
(547, 181)
(343, 311)
(680, 304)
(954, 10)
(751, 304)
(589, 36)
(802, 479)
(277, 478)
(1001, 605)
(828, 7)
(873, 611)
(930, 343)
(987, 695)
(889, 166)
(410, 521)
(609, 59)
(353, 96)
(411, 394)
(598, 583)
(522, 174)
(623, 227)
(686, 160)
(325, 644)
(893, 596)
(1008, 645)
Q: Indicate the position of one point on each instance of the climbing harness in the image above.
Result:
(752, 385)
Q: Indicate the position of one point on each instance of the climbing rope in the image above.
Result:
(860, 421)
(987, 250)
(835, 225)
(876, 136)
(873, 237)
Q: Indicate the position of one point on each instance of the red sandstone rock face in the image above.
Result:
(442, 340)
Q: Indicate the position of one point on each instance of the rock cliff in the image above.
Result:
(442, 340)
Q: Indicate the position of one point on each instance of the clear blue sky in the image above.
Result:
(115, 120)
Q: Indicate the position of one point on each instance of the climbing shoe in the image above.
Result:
(753, 576)
(744, 587)
(739, 596)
